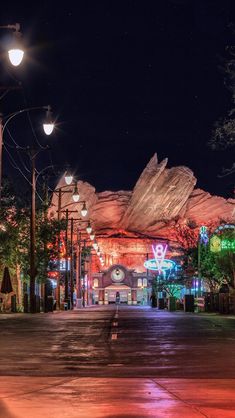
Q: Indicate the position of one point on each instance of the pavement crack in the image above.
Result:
(20, 394)
(191, 406)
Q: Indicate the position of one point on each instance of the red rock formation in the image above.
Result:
(202, 207)
(161, 198)
(158, 195)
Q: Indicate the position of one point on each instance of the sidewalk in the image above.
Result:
(30, 397)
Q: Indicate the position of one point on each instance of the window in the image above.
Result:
(145, 282)
(139, 283)
(96, 283)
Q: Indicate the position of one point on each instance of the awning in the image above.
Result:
(117, 287)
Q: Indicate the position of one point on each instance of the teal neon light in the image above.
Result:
(153, 265)
(227, 244)
(224, 228)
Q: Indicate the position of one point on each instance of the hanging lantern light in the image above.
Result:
(68, 178)
(76, 195)
(48, 125)
(84, 210)
(16, 52)
(95, 245)
(89, 228)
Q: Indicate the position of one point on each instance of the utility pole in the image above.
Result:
(78, 270)
(58, 249)
(71, 267)
(1, 145)
(66, 284)
(32, 234)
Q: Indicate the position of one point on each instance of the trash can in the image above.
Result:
(171, 303)
(13, 303)
(49, 303)
(161, 303)
(188, 303)
(26, 303)
(79, 303)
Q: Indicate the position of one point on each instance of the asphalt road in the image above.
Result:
(117, 361)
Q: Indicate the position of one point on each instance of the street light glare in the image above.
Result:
(15, 56)
(68, 178)
(48, 128)
(76, 195)
(89, 228)
(84, 210)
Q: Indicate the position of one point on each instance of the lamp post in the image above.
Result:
(32, 154)
(68, 251)
(15, 51)
(69, 180)
(203, 239)
(4, 123)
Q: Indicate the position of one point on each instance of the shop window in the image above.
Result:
(139, 283)
(145, 282)
(96, 283)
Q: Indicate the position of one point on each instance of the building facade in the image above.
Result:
(120, 284)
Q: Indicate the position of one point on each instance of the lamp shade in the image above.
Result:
(48, 128)
(15, 56)
(48, 124)
(16, 50)
(76, 195)
(68, 178)
(89, 228)
(95, 245)
(84, 210)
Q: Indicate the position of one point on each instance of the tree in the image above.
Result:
(223, 132)
(15, 237)
(171, 286)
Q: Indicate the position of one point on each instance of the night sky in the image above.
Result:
(125, 79)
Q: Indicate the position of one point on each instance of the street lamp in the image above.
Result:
(68, 296)
(89, 228)
(68, 178)
(32, 154)
(3, 126)
(76, 195)
(15, 52)
(84, 210)
(48, 124)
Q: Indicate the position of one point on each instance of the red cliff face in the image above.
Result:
(162, 198)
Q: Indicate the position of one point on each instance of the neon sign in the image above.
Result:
(218, 244)
(204, 239)
(227, 244)
(159, 263)
(166, 265)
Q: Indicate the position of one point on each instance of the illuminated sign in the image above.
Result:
(63, 264)
(166, 265)
(227, 244)
(159, 263)
(220, 241)
(204, 239)
(159, 253)
(218, 244)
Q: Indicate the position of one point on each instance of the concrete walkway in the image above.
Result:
(41, 397)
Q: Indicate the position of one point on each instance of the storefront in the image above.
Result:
(119, 284)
